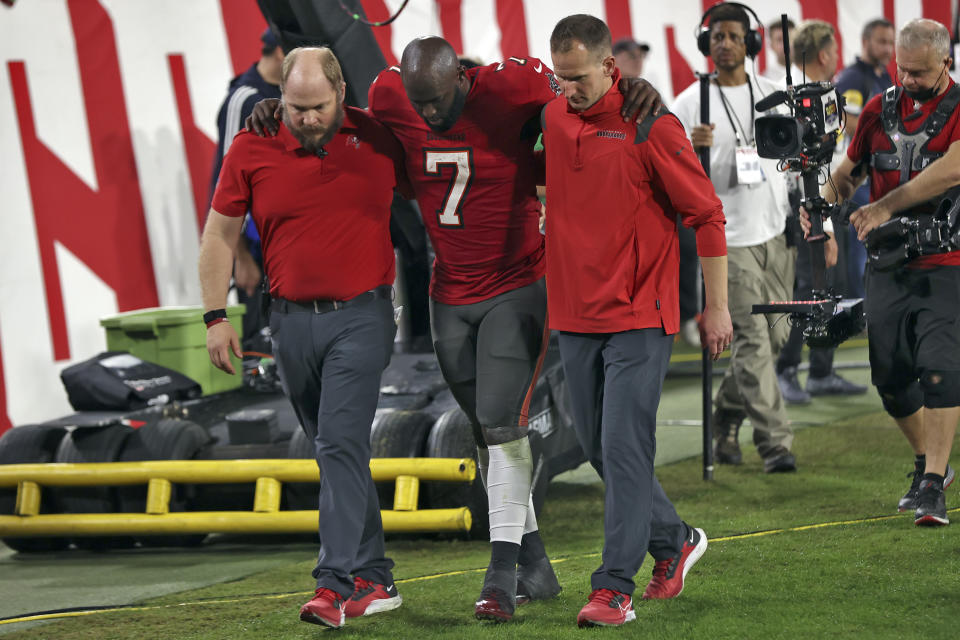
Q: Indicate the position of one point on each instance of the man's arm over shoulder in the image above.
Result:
(385, 92)
(384, 142)
(676, 171)
(527, 81)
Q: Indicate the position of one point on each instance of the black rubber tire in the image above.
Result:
(166, 439)
(452, 437)
(301, 496)
(93, 444)
(27, 444)
(398, 434)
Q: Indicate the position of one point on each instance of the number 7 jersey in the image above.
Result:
(476, 182)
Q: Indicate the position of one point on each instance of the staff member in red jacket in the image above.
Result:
(319, 193)
(614, 190)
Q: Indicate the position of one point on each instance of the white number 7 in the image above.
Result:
(462, 161)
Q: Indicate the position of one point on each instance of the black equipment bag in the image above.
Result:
(119, 381)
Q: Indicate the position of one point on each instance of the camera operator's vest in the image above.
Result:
(908, 151)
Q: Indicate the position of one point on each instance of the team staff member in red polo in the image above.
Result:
(320, 193)
(613, 194)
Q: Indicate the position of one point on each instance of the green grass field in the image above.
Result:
(866, 573)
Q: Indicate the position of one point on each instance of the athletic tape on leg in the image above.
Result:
(508, 489)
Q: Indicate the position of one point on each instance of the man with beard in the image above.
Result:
(909, 137)
(468, 137)
(761, 266)
(320, 193)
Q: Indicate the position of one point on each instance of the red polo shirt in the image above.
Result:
(324, 222)
(614, 190)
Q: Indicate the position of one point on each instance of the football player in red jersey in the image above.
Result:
(468, 137)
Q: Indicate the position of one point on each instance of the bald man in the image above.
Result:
(320, 193)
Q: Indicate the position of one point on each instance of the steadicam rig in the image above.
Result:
(804, 142)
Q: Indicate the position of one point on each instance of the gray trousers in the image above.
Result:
(330, 365)
(615, 381)
(758, 274)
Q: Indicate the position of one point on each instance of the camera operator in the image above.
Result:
(815, 51)
(754, 196)
(912, 310)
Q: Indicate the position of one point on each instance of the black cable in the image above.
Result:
(362, 20)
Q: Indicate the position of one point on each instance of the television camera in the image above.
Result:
(804, 142)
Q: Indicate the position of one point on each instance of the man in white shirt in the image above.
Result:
(761, 266)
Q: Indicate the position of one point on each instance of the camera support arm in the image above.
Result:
(818, 208)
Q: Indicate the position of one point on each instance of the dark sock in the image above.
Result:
(504, 556)
(531, 548)
(934, 477)
(920, 462)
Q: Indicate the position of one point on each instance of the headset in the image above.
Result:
(753, 40)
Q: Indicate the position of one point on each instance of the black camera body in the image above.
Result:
(806, 139)
(804, 143)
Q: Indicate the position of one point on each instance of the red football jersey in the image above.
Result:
(476, 182)
(870, 137)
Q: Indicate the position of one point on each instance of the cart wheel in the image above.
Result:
(27, 444)
(452, 437)
(398, 434)
(167, 439)
(93, 444)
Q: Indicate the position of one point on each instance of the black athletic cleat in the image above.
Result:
(498, 598)
(833, 384)
(909, 500)
(931, 505)
(726, 429)
(790, 388)
(779, 460)
(536, 581)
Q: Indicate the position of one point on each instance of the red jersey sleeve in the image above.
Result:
(529, 80)
(867, 127)
(669, 158)
(232, 195)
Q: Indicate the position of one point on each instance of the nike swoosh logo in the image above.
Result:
(539, 67)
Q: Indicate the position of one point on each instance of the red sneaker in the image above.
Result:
(371, 597)
(325, 609)
(668, 575)
(494, 604)
(606, 608)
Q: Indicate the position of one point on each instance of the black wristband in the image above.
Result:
(210, 316)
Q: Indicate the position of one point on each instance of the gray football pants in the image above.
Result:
(615, 380)
(330, 365)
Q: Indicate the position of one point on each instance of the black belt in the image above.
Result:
(281, 305)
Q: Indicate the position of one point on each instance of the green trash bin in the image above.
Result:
(176, 338)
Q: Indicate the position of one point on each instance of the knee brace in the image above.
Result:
(941, 389)
(901, 402)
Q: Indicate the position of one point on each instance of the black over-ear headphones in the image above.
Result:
(753, 40)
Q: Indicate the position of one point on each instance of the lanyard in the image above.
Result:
(731, 115)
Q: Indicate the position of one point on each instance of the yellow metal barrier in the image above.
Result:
(265, 517)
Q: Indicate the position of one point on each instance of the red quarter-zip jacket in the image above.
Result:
(614, 190)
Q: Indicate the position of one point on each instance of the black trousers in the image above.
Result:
(615, 381)
(330, 365)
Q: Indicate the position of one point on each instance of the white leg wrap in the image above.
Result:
(508, 489)
(483, 463)
(530, 524)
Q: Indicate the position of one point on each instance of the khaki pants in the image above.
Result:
(758, 274)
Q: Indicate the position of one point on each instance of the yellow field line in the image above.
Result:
(447, 574)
